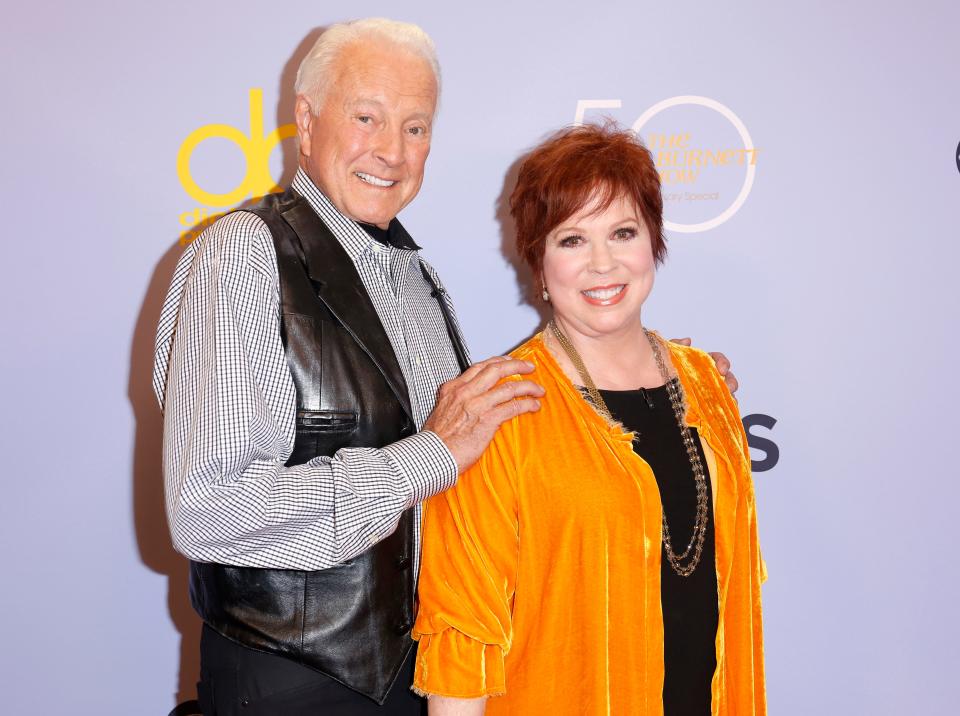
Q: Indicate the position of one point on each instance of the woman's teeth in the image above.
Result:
(376, 181)
(603, 294)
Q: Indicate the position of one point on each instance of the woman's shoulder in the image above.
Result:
(700, 372)
(693, 360)
(707, 391)
(535, 351)
(530, 349)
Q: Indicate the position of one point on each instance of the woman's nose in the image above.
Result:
(601, 257)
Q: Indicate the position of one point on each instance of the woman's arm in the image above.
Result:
(468, 572)
(445, 706)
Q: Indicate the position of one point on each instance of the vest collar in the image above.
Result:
(339, 286)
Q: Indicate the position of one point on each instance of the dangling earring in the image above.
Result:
(545, 295)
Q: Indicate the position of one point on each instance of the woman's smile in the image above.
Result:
(605, 295)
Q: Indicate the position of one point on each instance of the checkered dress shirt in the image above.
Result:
(229, 404)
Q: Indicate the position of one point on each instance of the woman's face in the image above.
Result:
(598, 268)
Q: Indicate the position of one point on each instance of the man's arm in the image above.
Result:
(229, 405)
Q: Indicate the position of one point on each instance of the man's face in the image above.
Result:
(366, 147)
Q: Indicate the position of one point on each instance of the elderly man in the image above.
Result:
(299, 355)
(301, 349)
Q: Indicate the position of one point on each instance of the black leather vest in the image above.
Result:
(352, 621)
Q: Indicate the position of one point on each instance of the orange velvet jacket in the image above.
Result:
(540, 578)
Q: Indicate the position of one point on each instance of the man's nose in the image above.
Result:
(389, 147)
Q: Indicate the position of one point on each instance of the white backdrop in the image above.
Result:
(832, 287)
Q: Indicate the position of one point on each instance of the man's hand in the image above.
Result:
(723, 365)
(472, 406)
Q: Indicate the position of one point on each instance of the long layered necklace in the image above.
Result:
(683, 564)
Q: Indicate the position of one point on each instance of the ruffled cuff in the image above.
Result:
(452, 664)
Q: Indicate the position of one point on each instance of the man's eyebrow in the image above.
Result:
(359, 102)
(426, 116)
(365, 101)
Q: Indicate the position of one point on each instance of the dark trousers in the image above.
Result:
(236, 680)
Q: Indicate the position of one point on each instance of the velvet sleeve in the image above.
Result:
(736, 427)
(468, 575)
(745, 646)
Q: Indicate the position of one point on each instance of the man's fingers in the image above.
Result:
(731, 380)
(512, 408)
(509, 390)
(723, 364)
(467, 384)
(498, 366)
(471, 372)
(681, 341)
(493, 373)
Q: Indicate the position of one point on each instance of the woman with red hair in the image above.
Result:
(602, 556)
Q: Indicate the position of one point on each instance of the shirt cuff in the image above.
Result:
(454, 665)
(426, 461)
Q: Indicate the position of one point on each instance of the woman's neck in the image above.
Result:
(621, 360)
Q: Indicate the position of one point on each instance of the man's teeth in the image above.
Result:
(602, 294)
(376, 181)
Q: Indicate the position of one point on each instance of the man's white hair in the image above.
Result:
(316, 70)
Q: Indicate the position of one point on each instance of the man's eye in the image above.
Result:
(365, 118)
(417, 131)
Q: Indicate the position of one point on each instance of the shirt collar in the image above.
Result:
(394, 235)
(351, 235)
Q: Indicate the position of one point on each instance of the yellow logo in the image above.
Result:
(256, 182)
(679, 162)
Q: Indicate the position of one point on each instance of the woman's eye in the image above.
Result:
(625, 233)
(571, 241)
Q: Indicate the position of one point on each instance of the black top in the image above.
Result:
(690, 607)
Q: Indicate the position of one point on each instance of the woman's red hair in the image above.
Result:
(577, 167)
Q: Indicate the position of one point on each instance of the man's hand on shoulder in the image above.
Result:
(472, 406)
(723, 365)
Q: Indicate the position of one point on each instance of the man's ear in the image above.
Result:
(303, 117)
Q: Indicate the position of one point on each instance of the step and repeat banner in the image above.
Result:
(810, 160)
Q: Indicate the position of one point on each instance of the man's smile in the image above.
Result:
(374, 180)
